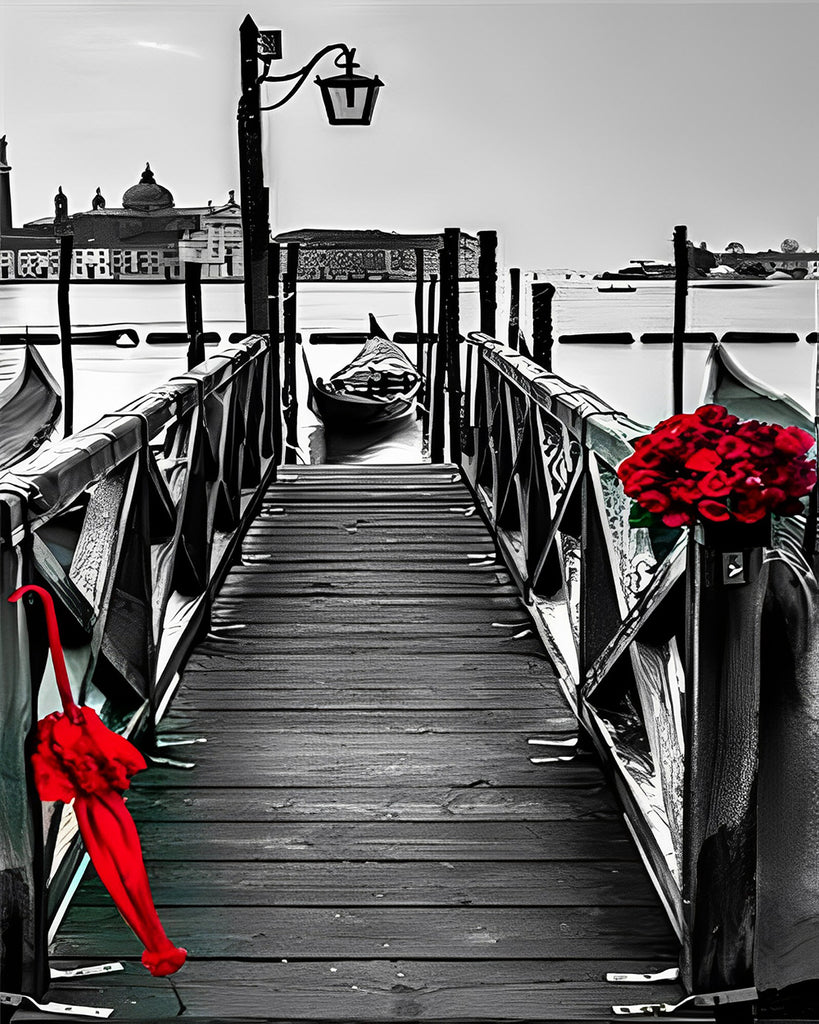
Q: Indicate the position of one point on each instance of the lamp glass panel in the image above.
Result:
(348, 103)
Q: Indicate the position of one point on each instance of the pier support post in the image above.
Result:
(488, 280)
(193, 313)
(289, 393)
(542, 337)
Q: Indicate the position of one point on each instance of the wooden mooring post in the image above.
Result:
(426, 405)
(438, 373)
(289, 389)
(64, 316)
(542, 332)
(274, 410)
(680, 294)
(488, 280)
(193, 313)
(419, 312)
(451, 337)
(513, 333)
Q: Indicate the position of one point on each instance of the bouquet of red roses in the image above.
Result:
(710, 465)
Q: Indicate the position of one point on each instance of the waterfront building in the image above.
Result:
(336, 255)
(145, 239)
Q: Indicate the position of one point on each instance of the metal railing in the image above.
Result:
(131, 524)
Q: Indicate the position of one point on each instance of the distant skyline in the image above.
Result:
(583, 132)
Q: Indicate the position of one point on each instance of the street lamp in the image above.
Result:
(349, 98)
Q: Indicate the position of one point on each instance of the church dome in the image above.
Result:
(147, 194)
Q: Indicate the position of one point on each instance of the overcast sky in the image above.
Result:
(582, 131)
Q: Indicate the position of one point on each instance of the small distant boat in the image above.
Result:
(617, 288)
(30, 403)
(123, 337)
(379, 385)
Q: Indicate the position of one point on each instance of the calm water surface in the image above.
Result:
(634, 379)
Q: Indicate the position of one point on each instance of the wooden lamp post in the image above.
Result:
(349, 99)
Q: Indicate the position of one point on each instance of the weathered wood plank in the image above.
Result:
(308, 759)
(379, 884)
(567, 991)
(586, 799)
(388, 841)
(371, 933)
(254, 724)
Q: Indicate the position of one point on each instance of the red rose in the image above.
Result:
(654, 501)
(715, 484)
(641, 480)
(703, 461)
(794, 441)
(751, 515)
(714, 510)
(717, 416)
(685, 491)
(731, 447)
(677, 518)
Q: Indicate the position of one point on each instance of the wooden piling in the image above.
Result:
(438, 372)
(64, 315)
(419, 320)
(542, 333)
(426, 409)
(488, 280)
(680, 294)
(514, 309)
(289, 393)
(274, 267)
(193, 313)
(452, 339)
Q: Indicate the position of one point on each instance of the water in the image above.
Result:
(636, 379)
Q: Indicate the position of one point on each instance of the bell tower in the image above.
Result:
(5, 190)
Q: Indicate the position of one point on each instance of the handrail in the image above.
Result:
(663, 666)
(132, 524)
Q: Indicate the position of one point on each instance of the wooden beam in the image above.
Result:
(289, 392)
(193, 313)
(452, 339)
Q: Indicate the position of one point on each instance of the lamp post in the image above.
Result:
(349, 98)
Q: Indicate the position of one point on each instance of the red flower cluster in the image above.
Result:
(710, 464)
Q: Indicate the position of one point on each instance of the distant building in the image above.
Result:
(145, 239)
(338, 255)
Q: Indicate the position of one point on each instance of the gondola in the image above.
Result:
(30, 403)
(727, 382)
(378, 386)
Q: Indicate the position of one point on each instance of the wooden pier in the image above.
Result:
(365, 836)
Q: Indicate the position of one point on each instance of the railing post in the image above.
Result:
(452, 339)
(542, 340)
(429, 370)
(488, 280)
(64, 314)
(23, 895)
(289, 393)
(725, 596)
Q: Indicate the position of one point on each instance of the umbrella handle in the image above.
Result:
(57, 657)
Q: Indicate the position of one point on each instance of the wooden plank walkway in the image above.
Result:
(364, 836)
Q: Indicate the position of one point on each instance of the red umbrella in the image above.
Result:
(80, 759)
